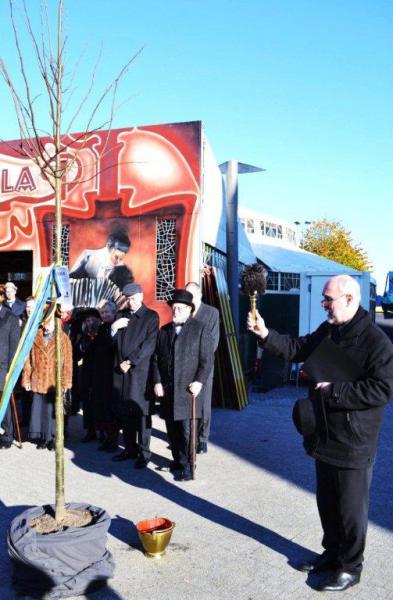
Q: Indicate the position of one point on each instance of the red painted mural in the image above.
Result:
(140, 185)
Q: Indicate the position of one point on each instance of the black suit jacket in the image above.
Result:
(180, 360)
(135, 343)
(9, 337)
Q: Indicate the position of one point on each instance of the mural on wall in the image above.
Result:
(131, 210)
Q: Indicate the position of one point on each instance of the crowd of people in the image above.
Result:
(119, 367)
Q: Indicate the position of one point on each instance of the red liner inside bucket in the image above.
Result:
(150, 525)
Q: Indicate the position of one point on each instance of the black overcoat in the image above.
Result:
(18, 307)
(102, 352)
(210, 318)
(347, 435)
(180, 360)
(9, 337)
(135, 343)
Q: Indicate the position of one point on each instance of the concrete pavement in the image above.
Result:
(240, 526)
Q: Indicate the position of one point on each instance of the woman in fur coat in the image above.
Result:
(39, 377)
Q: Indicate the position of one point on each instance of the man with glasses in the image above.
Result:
(181, 367)
(134, 344)
(348, 416)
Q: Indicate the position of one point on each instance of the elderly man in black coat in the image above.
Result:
(210, 319)
(9, 337)
(134, 346)
(181, 367)
(15, 304)
(348, 417)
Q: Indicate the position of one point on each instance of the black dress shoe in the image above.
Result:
(41, 445)
(202, 448)
(4, 444)
(323, 562)
(141, 463)
(50, 445)
(125, 455)
(339, 582)
(184, 475)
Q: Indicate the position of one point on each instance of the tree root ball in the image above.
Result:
(47, 523)
(60, 560)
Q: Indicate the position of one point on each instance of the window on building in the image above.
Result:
(65, 244)
(250, 226)
(289, 281)
(166, 258)
(262, 227)
(291, 235)
(271, 229)
(272, 281)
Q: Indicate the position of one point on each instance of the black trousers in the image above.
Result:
(179, 436)
(343, 500)
(137, 435)
(8, 424)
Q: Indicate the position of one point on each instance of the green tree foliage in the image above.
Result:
(331, 240)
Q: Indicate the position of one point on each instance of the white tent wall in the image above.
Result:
(311, 312)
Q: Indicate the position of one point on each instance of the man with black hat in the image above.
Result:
(134, 346)
(181, 367)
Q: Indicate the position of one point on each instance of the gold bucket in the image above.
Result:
(155, 535)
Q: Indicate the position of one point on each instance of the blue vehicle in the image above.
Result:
(387, 298)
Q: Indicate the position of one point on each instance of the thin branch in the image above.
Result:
(90, 88)
(41, 63)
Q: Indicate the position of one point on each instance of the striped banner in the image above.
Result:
(42, 294)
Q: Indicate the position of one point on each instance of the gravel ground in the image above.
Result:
(240, 526)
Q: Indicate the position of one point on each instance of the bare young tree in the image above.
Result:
(48, 51)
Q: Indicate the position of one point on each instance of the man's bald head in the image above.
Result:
(341, 299)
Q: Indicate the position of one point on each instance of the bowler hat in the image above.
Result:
(303, 416)
(132, 288)
(182, 297)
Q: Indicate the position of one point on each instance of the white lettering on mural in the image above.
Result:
(23, 183)
(21, 177)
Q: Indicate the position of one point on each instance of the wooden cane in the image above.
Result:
(193, 436)
(14, 410)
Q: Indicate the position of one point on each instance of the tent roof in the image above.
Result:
(287, 260)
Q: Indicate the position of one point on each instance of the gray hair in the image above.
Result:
(348, 285)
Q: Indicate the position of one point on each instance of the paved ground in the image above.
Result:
(239, 526)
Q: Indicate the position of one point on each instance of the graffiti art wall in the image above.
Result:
(131, 209)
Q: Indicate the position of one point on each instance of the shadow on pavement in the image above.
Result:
(151, 479)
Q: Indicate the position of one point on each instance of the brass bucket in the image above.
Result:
(155, 535)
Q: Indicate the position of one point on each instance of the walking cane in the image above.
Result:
(193, 436)
(14, 410)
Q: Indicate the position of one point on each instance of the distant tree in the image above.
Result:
(331, 240)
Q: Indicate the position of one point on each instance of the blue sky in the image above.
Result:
(303, 88)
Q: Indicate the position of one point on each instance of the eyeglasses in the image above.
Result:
(180, 309)
(328, 300)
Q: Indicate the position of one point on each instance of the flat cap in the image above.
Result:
(132, 288)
